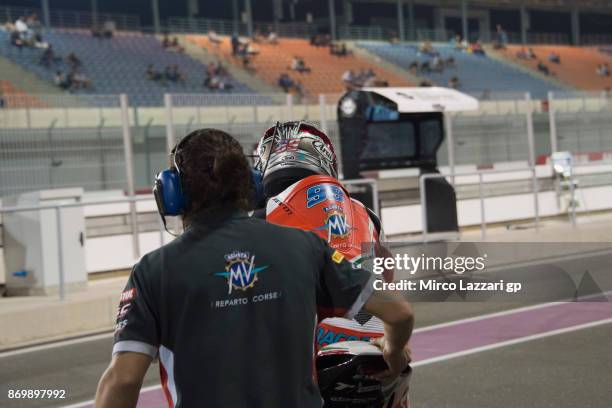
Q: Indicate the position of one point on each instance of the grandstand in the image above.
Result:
(326, 70)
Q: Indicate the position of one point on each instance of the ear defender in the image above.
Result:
(168, 193)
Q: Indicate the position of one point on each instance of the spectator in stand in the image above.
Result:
(476, 48)
(298, 64)
(22, 27)
(15, 40)
(603, 69)
(78, 80)
(531, 54)
(235, 44)
(501, 38)
(454, 83)
(166, 41)
(436, 64)
(427, 48)
(272, 37)
(36, 27)
(543, 68)
(285, 82)
(522, 54)
(73, 61)
(214, 38)
(48, 57)
(348, 78)
(425, 67)
(174, 74)
(450, 62)
(425, 83)
(108, 29)
(457, 42)
(414, 68)
(320, 40)
(153, 75)
(554, 58)
(61, 80)
(339, 49)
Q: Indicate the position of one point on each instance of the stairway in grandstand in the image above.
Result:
(252, 81)
(23, 80)
(577, 67)
(326, 69)
(477, 74)
(115, 65)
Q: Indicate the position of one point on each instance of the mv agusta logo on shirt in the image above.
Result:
(240, 271)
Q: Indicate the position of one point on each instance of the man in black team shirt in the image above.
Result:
(230, 306)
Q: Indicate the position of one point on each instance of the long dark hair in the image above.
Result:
(215, 173)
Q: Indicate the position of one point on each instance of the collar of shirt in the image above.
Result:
(216, 216)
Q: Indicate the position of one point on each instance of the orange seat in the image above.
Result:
(577, 68)
(16, 98)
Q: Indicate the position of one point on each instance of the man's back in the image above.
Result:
(237, 327)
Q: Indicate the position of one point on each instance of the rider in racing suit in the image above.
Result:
(299, 169)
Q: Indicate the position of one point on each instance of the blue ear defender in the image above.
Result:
(168, 191)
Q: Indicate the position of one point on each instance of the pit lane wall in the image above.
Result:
(114, 250)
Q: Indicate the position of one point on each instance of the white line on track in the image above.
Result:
(56, 344)
(511, 342)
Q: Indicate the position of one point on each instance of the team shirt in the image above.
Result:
(230, 308)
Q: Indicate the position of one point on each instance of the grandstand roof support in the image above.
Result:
(332, 19)
(45, 13)
(236, 16)
(155, 10)
(411, 26)
(94, 12)
(249, 15)
(400, 20)
(524, 23)
(575, 25)
(464, 19)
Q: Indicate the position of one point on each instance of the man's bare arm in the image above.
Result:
(396, 314)
(120, 384)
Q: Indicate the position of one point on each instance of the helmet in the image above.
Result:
(344, 371)
(294, 150)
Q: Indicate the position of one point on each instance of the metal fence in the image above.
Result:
(72, 19)
(78, 142)
(63, 141)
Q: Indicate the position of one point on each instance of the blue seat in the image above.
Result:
(118, 65)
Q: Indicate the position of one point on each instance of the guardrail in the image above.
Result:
(58, 215)
(571, 183)
(480, 174)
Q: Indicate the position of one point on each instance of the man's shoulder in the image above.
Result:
(280, 231)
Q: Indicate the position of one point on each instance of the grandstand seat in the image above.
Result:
(578, 64)
(477, 74)
(116, 65)
(14, 97)
(326, 69)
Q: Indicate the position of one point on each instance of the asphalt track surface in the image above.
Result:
(465, 355)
